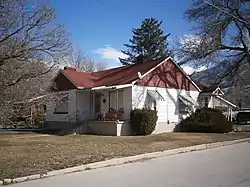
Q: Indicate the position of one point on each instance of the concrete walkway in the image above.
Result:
(227, 166)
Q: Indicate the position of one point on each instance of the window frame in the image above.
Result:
(183, 108)
(206, 101)
(63, 100)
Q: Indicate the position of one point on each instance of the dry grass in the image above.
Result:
(27, 154)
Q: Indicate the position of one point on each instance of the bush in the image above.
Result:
(143, 121)
(205, 120)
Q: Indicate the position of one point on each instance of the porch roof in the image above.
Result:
(111, 87)
(226, 101)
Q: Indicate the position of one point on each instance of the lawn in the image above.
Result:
(26, 154)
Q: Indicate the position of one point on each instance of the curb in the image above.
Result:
(119, 161)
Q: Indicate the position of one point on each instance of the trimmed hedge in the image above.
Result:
(206, 120)
(143, 121)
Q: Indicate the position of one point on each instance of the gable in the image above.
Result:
(62, 83)
(218, 91)
(168, 75)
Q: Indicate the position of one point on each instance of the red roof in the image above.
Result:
(116, 76)
(110, 77)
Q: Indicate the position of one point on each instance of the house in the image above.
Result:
(101, 102)
(213, 97)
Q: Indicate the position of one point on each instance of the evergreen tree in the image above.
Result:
(148, 42)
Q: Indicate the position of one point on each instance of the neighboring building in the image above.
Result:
(212, 97)
(101, 102)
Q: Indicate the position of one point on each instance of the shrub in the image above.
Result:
(143, 121)
(205, 120)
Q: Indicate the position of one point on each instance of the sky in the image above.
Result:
(101, 27)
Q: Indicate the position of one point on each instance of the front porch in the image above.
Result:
(109, 104)
(106, 111)
(109, 128)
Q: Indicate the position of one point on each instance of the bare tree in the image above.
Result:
(31, 42)
(28, 30)
(239, 94)
(82, 62)
(221, 37)
(12, 93)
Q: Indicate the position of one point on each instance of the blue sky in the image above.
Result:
(101, 27)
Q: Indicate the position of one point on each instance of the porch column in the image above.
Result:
(231, 117)
(228, 114)
(93, 103)
(117, 99)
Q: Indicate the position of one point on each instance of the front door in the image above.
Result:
(97, 102)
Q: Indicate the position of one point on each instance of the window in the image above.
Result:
(150, 103)
(116, 99)
(184, 108)
(206, 101)
(120, 99)
(62, 106)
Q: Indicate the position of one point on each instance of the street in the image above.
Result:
(227, 166)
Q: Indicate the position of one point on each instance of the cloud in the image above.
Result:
(189, 70)
(109, 53)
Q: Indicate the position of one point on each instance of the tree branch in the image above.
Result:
(224, 47)
(26, 76)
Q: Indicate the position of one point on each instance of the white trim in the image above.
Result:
(99, 88)
(123, 86)
(152, 69)
(139, 75)
(226, 101)
(111, 87)
(169, 58)
(186, 75)
(218, 88)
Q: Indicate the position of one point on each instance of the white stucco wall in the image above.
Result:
(168, 110)
(50, 116)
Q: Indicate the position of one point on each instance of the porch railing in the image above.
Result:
(110, 115)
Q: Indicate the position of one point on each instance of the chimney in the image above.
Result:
(69, 68)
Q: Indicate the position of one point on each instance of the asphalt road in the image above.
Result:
(227, 166)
